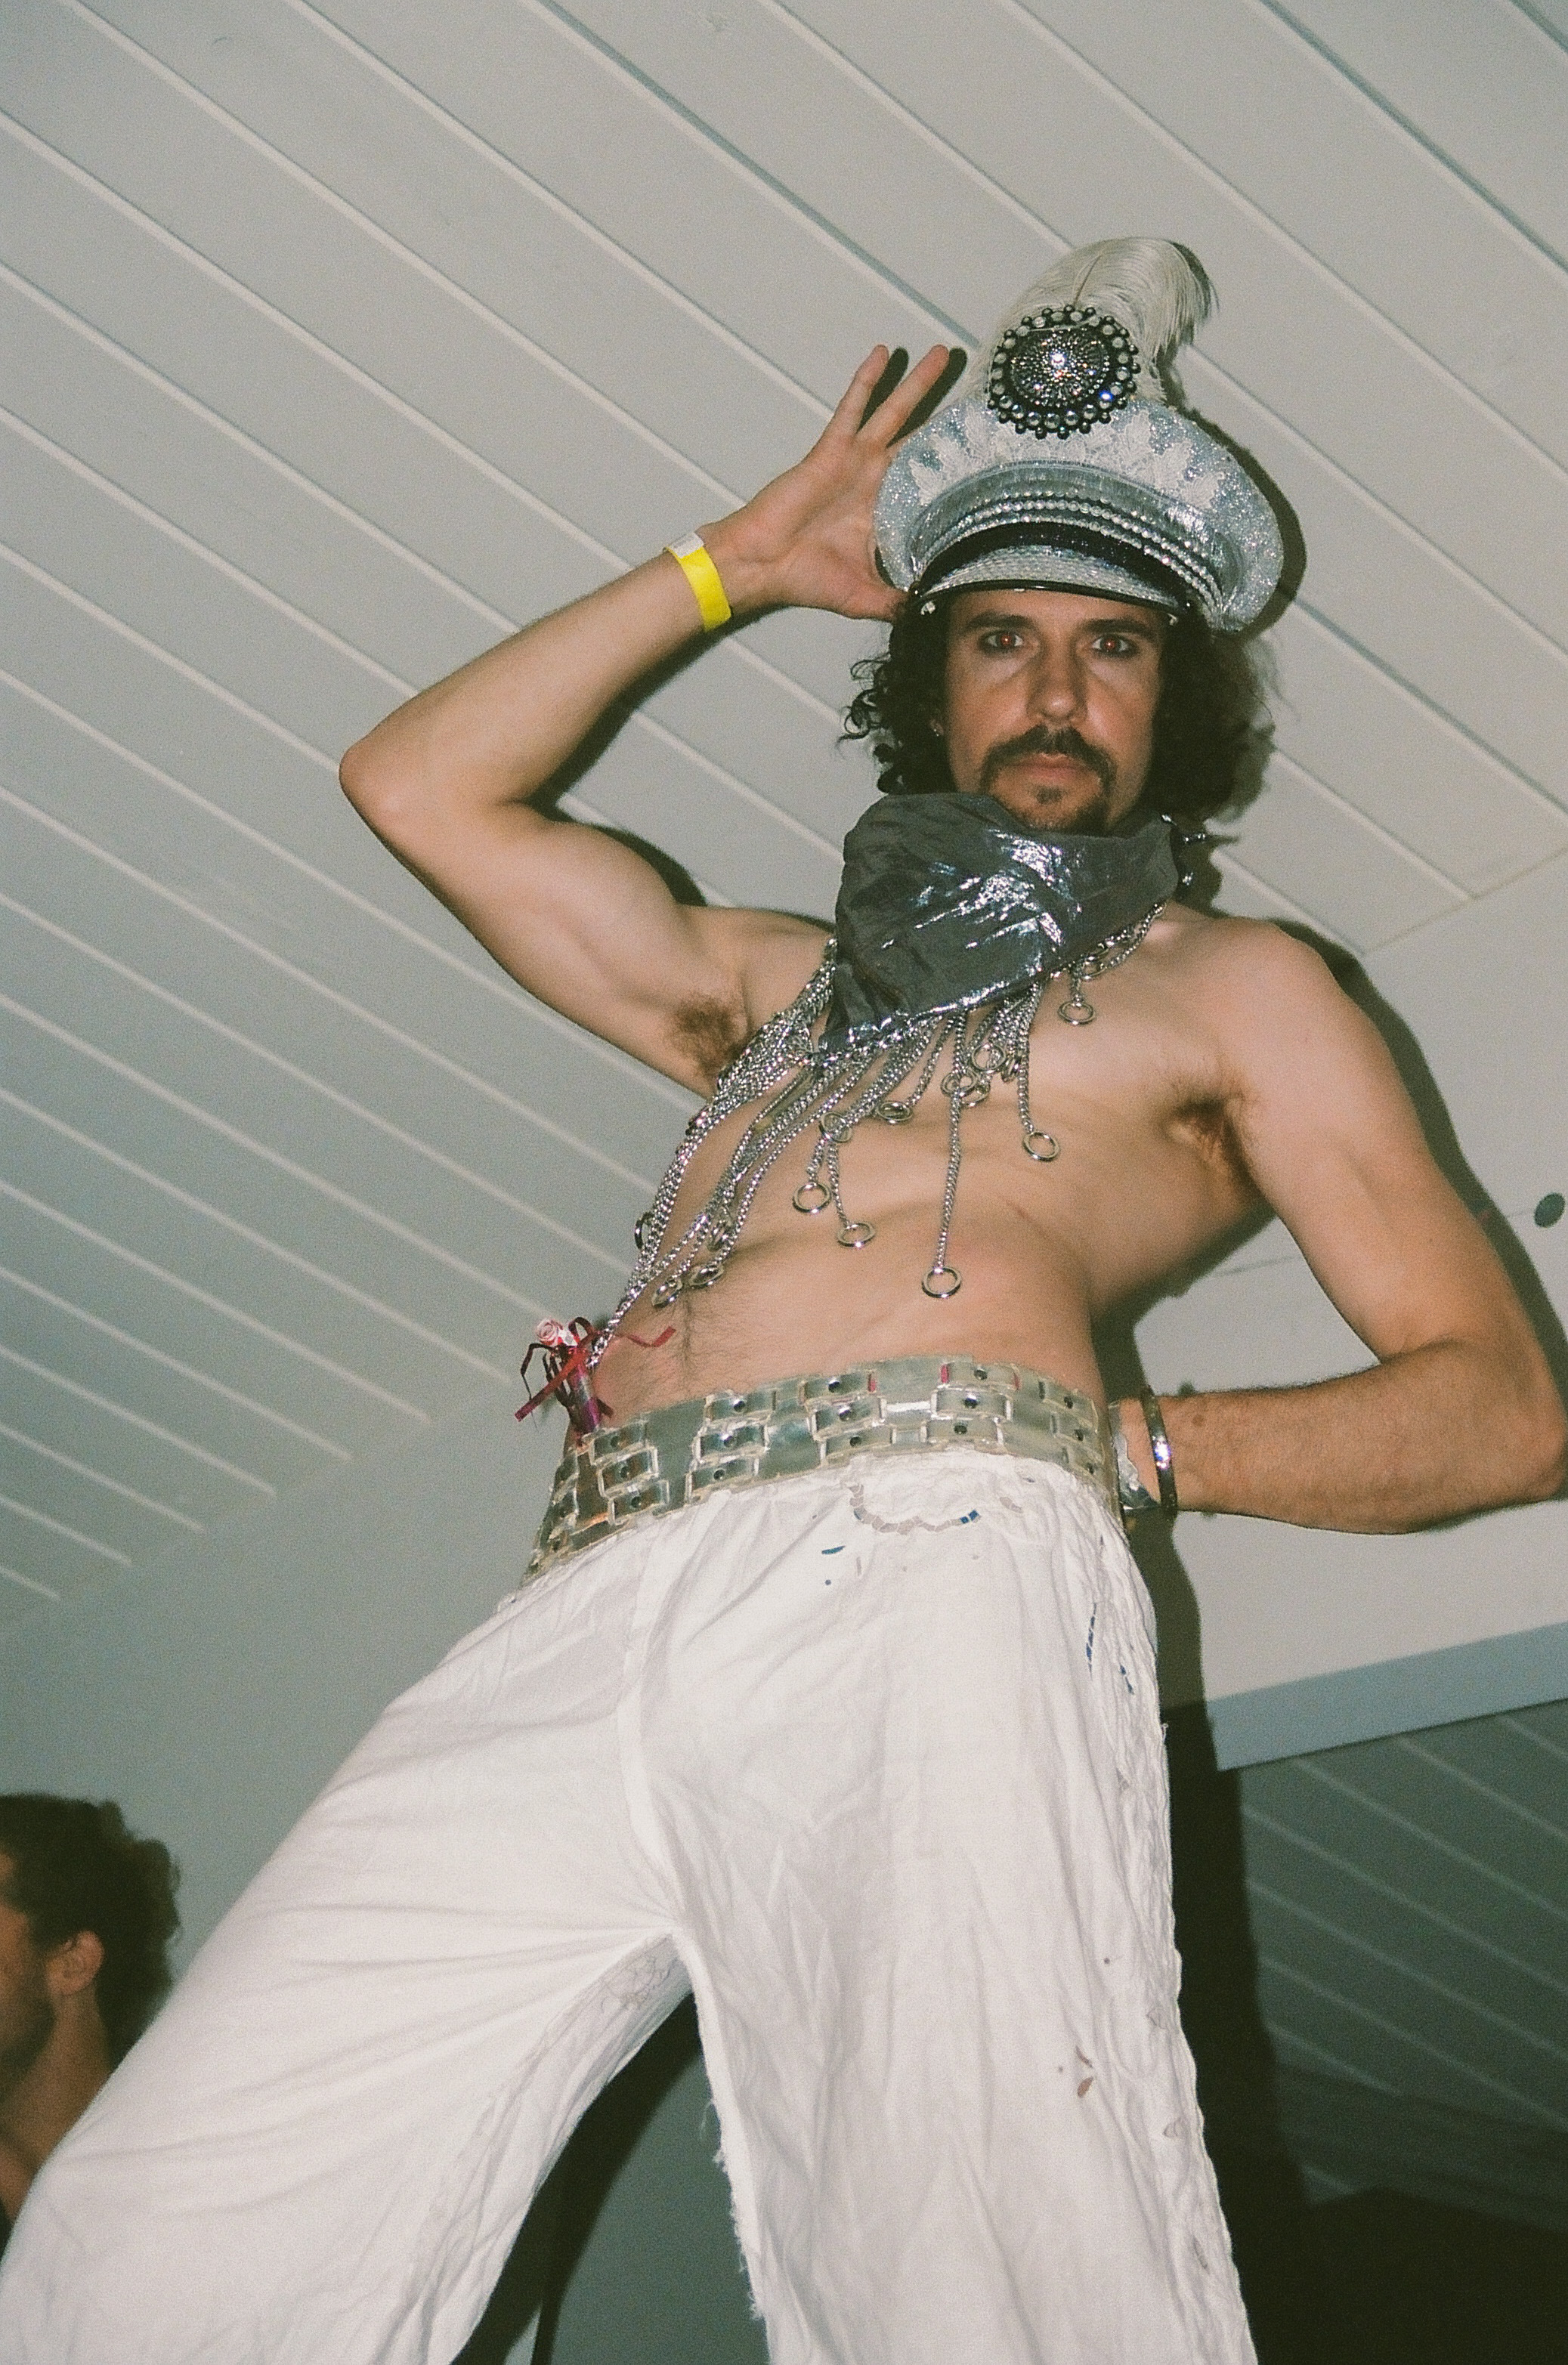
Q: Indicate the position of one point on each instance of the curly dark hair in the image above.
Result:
(1207, 725)
(76, 1866)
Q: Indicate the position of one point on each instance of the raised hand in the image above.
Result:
(805, 541)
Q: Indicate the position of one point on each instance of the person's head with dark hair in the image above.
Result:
(1079, 557)
(74, 1865)
(86, 1915)
(1205, 727)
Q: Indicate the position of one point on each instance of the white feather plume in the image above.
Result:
(1158, 293)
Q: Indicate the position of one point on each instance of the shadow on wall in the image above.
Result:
(628, 2253)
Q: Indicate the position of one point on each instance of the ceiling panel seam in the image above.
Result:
(203, 552)
(1336, 632)
(33, 1584)
(1345, 1866)
(831, 232)
(1375, 1806)
(236, 1396)
(1229, 860)
(1222, 378)
(579, 222)
(261, 453)
(639, 718)
(1284, 2032)
(1475, 898)
(580, 386)
(1177, 147)
(167, 655)
(1541, 19)
(357, 1109)
(100, 1478)
(138, 1420)
(1265, 411)
(1523, 230)
(1517, 1724)
(1201, 366)
(486, 978)
(1287, 237)
(1359, 1944)
(737, 786)
(318, 346)
(1536, 2112)
(337, 1282)
(214, 1305)
(1484, 1789)
(239, 1140)
(1374, 828)
(660, 731)
(303, 978)
(59, 1528)
(891, 103)
(614, 561)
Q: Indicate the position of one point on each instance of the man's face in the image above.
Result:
(1048, 703)
(27, 2005)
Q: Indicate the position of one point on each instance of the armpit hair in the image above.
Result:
(711, 1034)
(1210, 1128)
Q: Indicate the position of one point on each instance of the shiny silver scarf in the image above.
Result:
(950, 925)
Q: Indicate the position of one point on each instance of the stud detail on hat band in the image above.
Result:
(1062, 370)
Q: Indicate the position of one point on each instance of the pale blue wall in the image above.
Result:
(213, 1691)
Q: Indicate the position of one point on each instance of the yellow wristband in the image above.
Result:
(691, 555)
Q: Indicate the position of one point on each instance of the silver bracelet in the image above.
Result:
(1131, 1492)
(1160, 1445)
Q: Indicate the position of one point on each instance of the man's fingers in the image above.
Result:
(890, 416)
(852, 408)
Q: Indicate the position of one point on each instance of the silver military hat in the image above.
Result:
(1062, 463)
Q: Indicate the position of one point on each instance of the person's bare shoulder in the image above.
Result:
(1249, 977)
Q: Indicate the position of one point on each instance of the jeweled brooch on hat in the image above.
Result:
(1059, 372)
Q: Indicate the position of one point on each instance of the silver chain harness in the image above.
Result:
(878, 1072)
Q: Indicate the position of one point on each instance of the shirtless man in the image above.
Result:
(868, 1754)
(1236, 1069)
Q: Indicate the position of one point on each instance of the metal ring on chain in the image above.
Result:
(942, 1272)
(1041, 1157)
(811, 1198)
(856, 1235)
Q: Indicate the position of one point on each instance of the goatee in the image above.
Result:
(1092, 819)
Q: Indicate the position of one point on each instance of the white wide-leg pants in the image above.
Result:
(871, 1759)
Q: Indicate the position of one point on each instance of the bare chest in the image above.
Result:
(1106, 1130)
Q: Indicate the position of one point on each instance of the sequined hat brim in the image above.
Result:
(1050, 566)
(1148, 498)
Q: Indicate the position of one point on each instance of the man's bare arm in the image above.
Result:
(1459, 1413)
(579, 920)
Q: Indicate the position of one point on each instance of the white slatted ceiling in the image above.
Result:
(1407, 1905)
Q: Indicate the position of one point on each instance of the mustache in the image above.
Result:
(1043, 742)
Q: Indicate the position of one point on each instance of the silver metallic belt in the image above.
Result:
(684, 1452)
